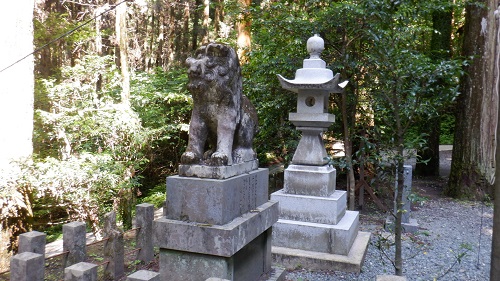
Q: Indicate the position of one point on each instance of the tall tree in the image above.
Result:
(17, 80)
(495, 245)
(472, 168)
(122, 44)
(244, 39)
(440, 49)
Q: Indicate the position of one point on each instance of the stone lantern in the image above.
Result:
(315, 230)
(313, 83)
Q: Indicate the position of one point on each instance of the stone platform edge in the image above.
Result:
(293, 258)
(217, 172)
(220, 240)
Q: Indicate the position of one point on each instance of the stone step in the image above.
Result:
(216, 240)
(326, 238)
(327, 210)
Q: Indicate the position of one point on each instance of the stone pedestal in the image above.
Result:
(216, 228)
(315, 230)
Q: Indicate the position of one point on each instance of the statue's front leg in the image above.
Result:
(225, 136)
(197, 138)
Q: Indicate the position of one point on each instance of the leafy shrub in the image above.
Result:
(164, 106)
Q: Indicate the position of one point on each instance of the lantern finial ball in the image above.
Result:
(315, 45)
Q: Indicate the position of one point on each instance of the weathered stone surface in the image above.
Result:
(312, 103)
(218, 172)
(407, 227)
(310, 180)
(327, 210)
(217, 202)
(144, 215)
(352, 262)
(74, 241)
(326, 238)
(309, 120)
(27, 266)
(311, 148)
(33, 241)
(222, 116)
(408, 177)
(220, 240)
(82, 271)
(179, 265)
(144, 275)
(248, 264)
(114, 253)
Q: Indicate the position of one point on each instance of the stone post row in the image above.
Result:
(74, 242)
(27, 266)
(113, 248)
(82, 271)
(29, 263)
(144, 235)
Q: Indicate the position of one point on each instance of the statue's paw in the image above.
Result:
(207, 154)
(218, 159)
(189, 157)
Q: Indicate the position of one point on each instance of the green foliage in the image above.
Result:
(164, 105)
(92, 148)
(380, 46)
(155, 196)
(47, 28)
(271, 55)
(447, 129)
(93, 151)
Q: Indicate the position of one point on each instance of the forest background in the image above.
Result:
(111, 109)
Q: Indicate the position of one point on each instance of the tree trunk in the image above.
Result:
(398, 229)
(218, 16)
(351, 182)
(185, 31)
(244, 38)
(196, 24)
(495, 245)
(440, 49)
(472, 169)
(206, 22)
(122, 42)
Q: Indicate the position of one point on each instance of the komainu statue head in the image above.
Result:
(223, 121)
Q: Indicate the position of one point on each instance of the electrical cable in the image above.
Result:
(62, 36)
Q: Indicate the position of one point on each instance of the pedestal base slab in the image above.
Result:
(327, 238)
(220, 240)
(352, 262)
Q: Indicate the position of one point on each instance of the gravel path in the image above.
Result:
(451, 231)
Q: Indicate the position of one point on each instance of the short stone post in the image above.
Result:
(408, 176)
(82, 271)
(113, 248)
(74, 242)
(144, 235)
(408, 224)
(144, 275)
(33, 241)
(27, 266)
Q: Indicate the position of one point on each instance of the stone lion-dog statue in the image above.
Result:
(223, 120)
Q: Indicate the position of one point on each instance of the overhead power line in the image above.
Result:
(62, 36)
